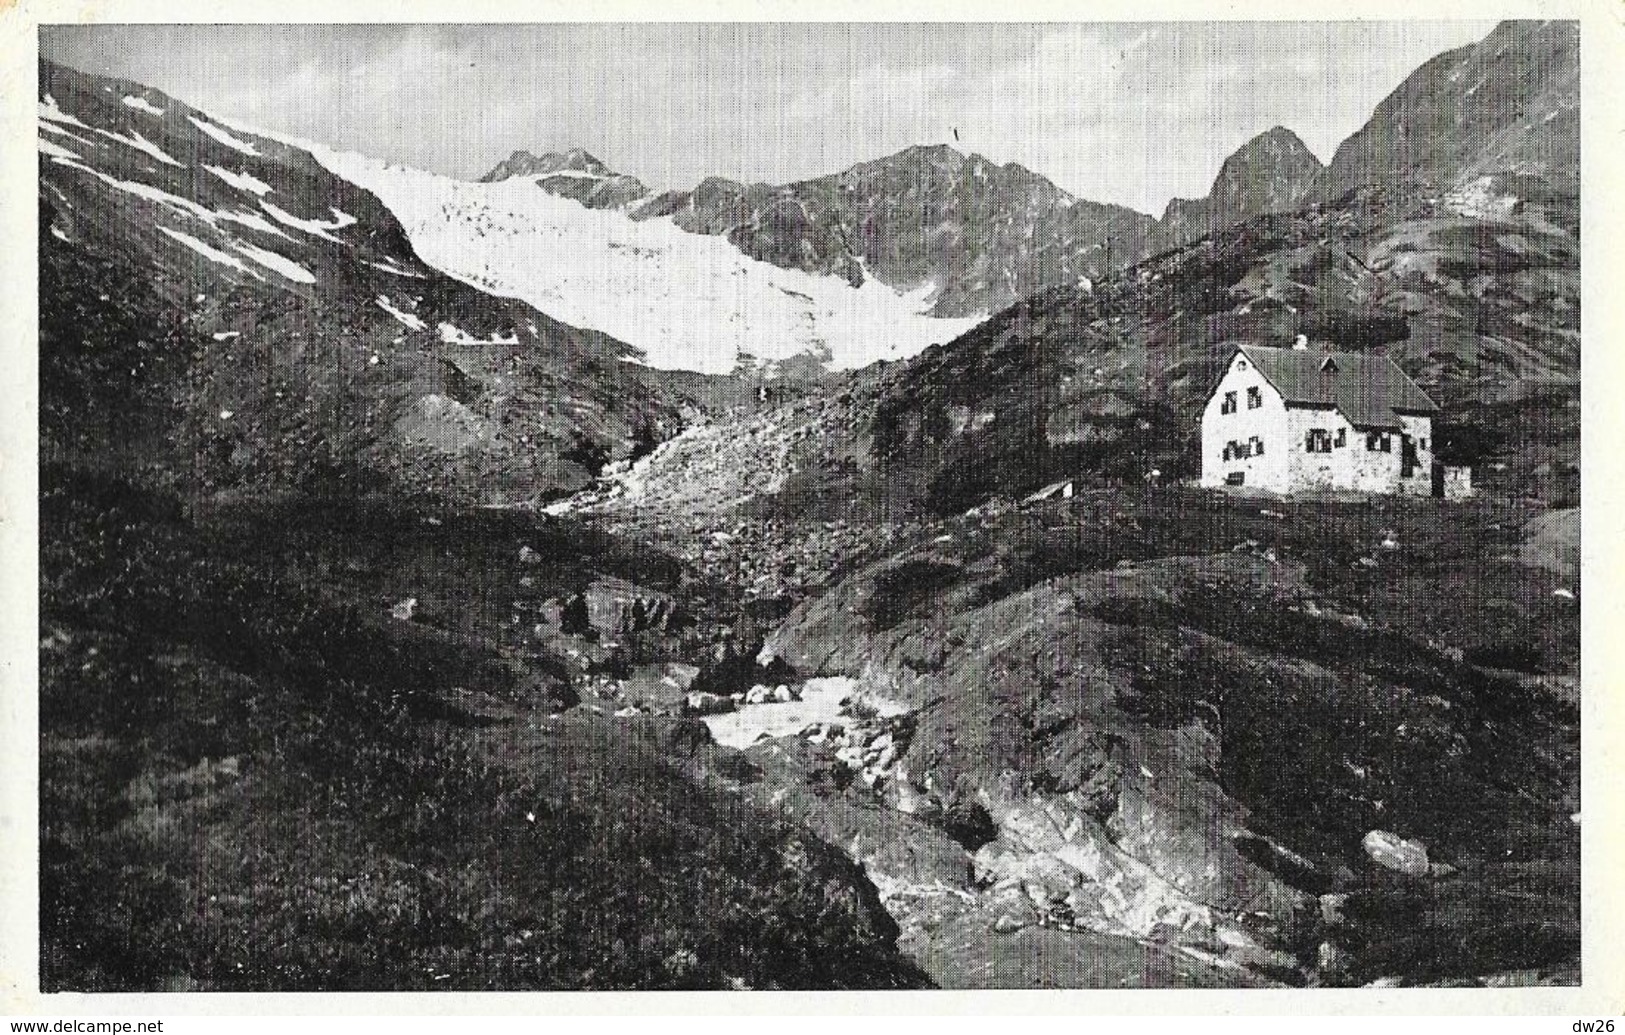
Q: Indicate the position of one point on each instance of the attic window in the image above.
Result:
(1255, 398)
(1229, 404)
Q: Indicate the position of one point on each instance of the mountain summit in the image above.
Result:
(978, 234)
(523, 163)
(1272, 172)
(573, 174)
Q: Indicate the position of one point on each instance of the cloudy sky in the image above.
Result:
(1112, 111)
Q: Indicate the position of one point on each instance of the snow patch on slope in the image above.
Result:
(48, 147)
(314, 227)
(387, 268)
(279, 263)
(224, 136)
(690, 301)
(241, 180)
(54, 128)
(140, 103)
(142, 144)
(407, 319)
(451, 334)
(49, 109)
(208, 251)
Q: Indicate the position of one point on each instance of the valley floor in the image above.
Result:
(1136, 738)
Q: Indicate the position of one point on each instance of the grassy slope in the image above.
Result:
(252, 782)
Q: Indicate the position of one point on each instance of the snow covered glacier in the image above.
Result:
(689, 301)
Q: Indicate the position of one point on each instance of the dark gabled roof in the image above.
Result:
(1370, 390)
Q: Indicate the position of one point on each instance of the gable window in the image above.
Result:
(1342, 438)
(1318, 440)
(1255, 398)
(1229, 404)
(1255, 446)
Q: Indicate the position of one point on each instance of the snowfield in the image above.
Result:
(690, 301)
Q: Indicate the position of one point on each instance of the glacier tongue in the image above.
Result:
(690, 301)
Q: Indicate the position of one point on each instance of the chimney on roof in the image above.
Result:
(1302, 344)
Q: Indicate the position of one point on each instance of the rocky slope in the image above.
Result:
(1477, 302)
(1508, 105)
(279, 325)
(1063, 753)
(1273, 172)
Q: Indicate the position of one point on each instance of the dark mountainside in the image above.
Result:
(278, 325)
(1145, 736)
(1273, 172)
(299, 727)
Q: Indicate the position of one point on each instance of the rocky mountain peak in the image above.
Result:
(1272, 172)
(523, 163)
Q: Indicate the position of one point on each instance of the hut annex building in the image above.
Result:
(1290, 420)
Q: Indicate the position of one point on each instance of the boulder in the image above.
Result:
(1396, 853)
(1332, 909)
(616, 607)
(707, 704)
(678, 675)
